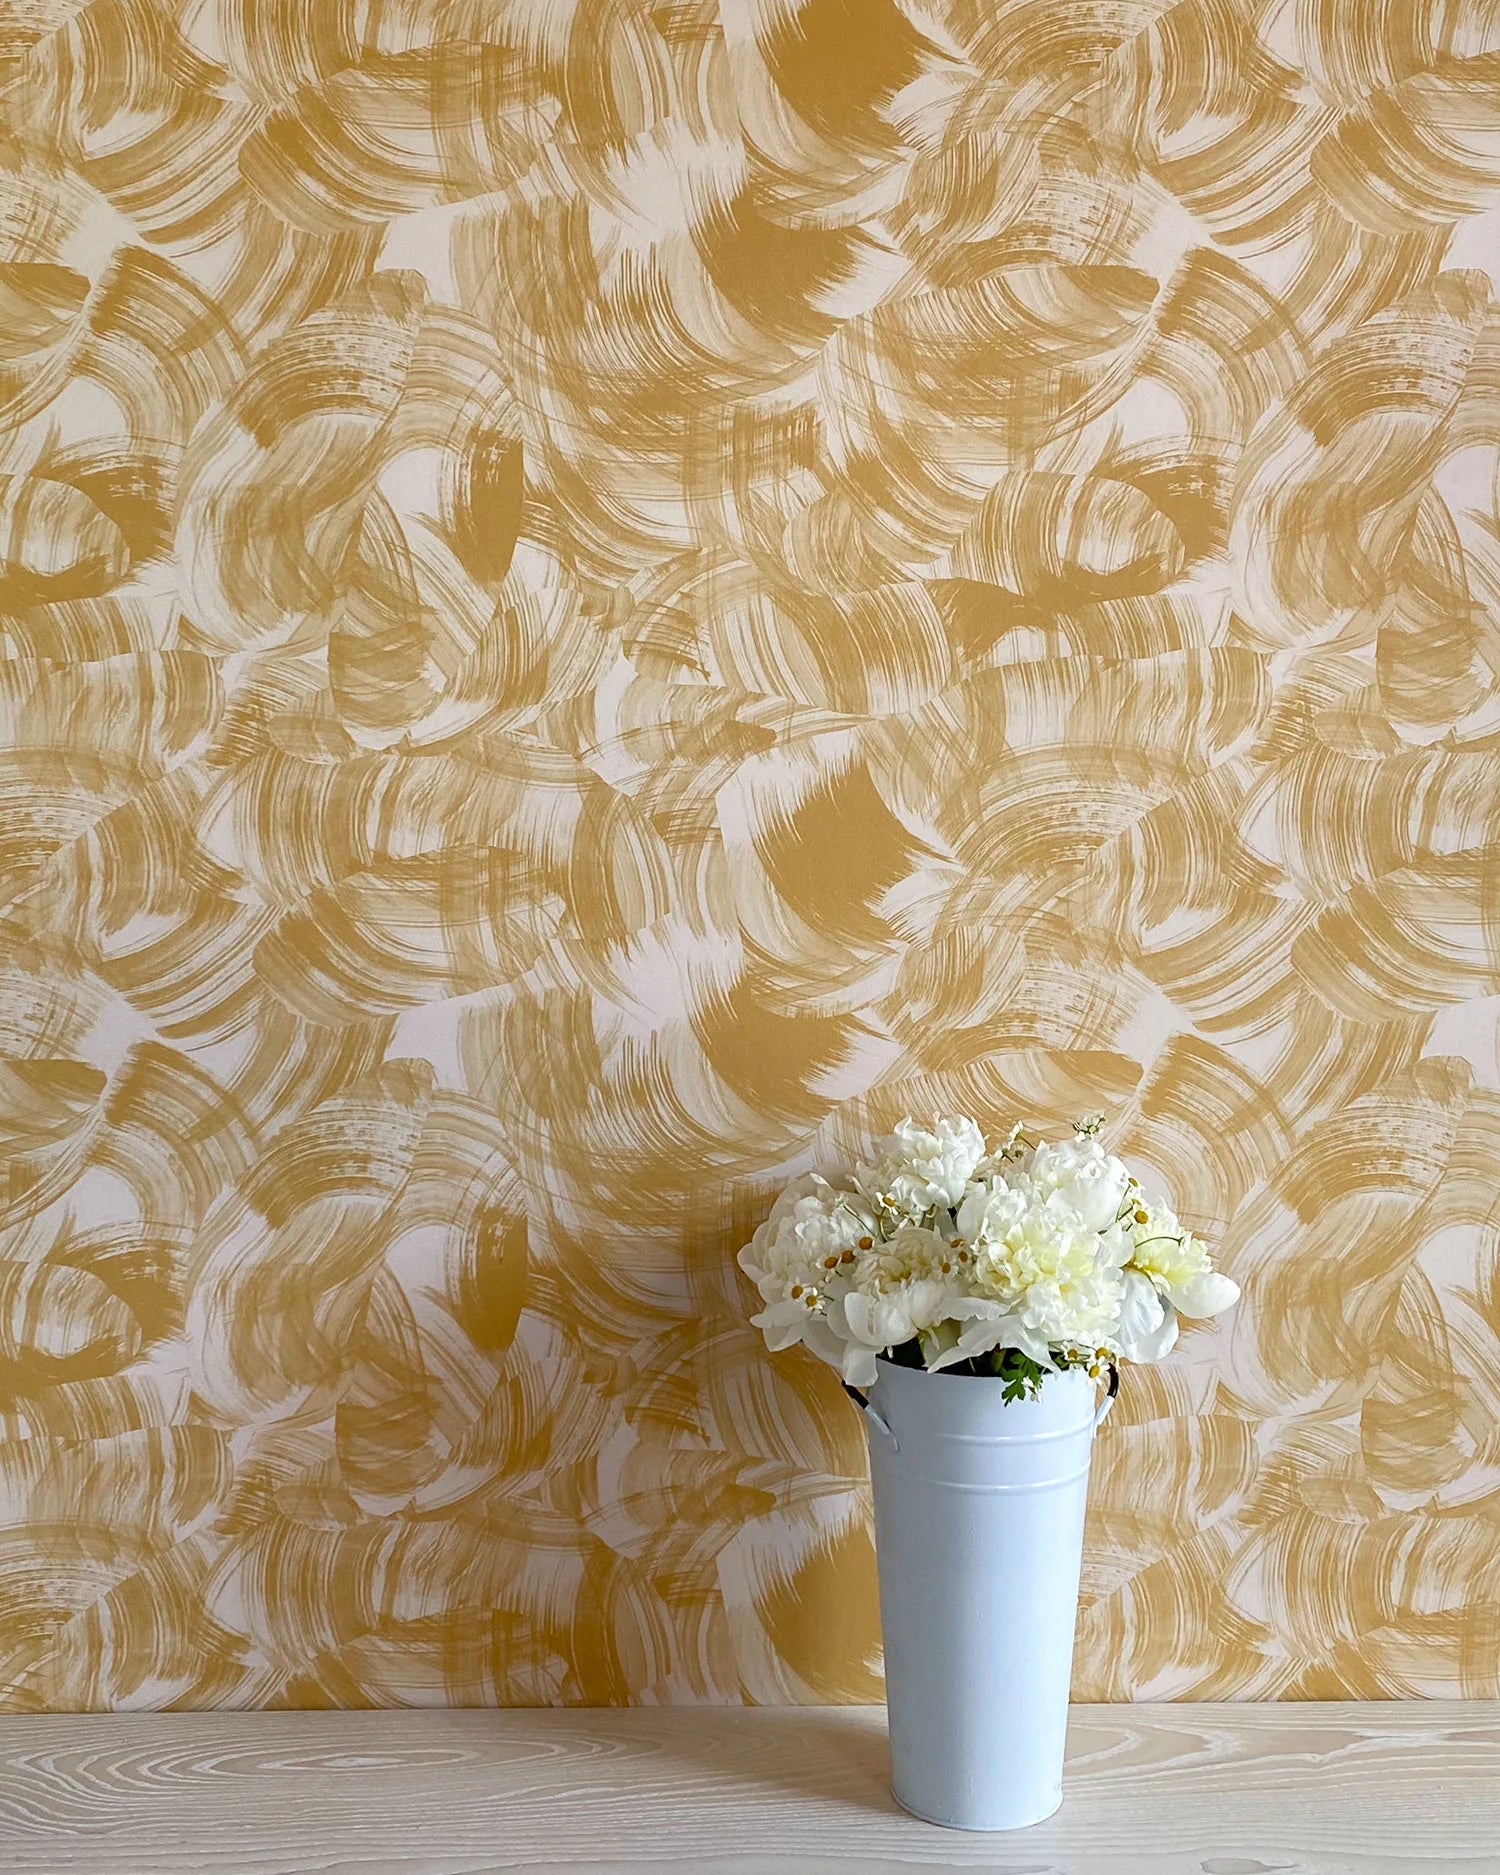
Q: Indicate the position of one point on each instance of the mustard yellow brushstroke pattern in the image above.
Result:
(598, 598)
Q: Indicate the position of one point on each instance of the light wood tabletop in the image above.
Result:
(1152, 1790)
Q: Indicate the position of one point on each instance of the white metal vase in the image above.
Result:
(979, 1508)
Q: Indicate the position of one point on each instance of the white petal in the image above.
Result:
(820, 1339)
(1207, 1293)
(1116, 1246)
(948, 1358)
(875, 1321)
(975, 1309)
(1004, 1331)
(1148, 1326)
(981, 1337)
(781, 1324)
(1154, 1347)
(859, 1368)
(971, 1211)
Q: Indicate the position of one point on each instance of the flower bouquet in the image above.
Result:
(1028, 1271)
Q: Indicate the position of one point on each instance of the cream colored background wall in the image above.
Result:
(601, 596)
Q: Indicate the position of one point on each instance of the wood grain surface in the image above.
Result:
(1152, 1790)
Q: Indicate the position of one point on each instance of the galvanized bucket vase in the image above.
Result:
(979, 1510)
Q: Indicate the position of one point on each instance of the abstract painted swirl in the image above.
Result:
(599, 598)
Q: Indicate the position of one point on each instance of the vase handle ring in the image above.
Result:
(1112, 1393)
(870, 1413)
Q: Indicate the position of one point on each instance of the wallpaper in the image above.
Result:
(598, 598)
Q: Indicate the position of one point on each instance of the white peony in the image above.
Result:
(796, 1258)
(1177, 1264)
(814, 1227)
(1092, 1181)
(920, 1169)
(1038, 1250)
(1050, 1269)
(901, 1289)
